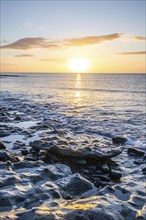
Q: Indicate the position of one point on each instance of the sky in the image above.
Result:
(45, 35)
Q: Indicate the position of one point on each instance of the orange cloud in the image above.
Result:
(91, 40)
(31, 43)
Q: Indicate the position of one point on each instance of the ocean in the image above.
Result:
(111, 103)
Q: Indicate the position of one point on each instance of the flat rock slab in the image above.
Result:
(82, 152)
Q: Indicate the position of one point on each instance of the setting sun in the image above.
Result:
(79, 64)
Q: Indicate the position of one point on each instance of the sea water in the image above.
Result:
(112, 104)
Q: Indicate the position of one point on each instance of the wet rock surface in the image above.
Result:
(135, 152)
(2, 145)
(51, 167)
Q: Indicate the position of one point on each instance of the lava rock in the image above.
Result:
(135, 152)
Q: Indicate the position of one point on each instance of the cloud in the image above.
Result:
(3, 41)
(84, 41)
(8, 64)
(46, 43)
(52, 60)
(133, 53)
(24, 55)
(25, 44)
(138, 38)
(31, 43)
(27, 25)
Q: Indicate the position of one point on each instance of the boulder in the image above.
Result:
(74, 186)
(84, 152)
(119, 140)
(135, 152)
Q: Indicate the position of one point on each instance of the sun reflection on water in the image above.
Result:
(78, 85)
(78, 94)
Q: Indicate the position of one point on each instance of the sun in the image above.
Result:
(79, 64)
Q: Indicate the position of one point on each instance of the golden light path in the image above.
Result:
(79, 64)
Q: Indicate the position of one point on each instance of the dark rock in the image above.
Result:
(9, 166)
(74, 186)
(105, 168)
(42, 153)
(34, 150)
(115, 174)
(119, 140)
(20, 143)
(4, 156)
(144, 170)
(135, 152)
(80, 162)
(139, 161)
(4, 201)
(16, 159)
(56, 171)
(2, 145)
(104, 183)
(4, 133)
(97, 182)
(84, 152)
(24, 152)
(41, 145)
(27, 164)
(103, 178)
(18, 118)
(30, 158)
(92, 168)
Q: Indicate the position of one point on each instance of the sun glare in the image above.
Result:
(79, 64)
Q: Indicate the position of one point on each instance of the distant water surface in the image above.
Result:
(108, 102)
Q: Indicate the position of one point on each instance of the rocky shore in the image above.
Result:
(52, 167)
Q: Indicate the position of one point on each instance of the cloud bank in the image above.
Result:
(31, 43)
(46, 43)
